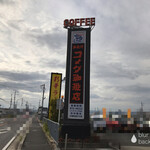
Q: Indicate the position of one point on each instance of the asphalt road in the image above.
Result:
(9, 128)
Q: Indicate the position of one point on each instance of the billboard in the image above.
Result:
(77, 77)
(55, 89)
(77, 87)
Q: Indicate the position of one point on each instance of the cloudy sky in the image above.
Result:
(33, 43)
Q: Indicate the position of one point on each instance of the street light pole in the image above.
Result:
(59, 105)
(14, 100)
(10, 102)
(43, 87)
(60, 102)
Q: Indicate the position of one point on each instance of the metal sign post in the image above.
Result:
(59, 107)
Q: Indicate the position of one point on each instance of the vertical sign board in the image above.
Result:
(76, 109)
(77, 71)
(55, 89)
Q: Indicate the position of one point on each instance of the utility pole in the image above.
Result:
(14, 99)
(22, 102)
(43, 88)
(27, 106)
(10, 102)
(142, 107)
(39, 102)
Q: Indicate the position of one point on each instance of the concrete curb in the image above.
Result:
(19, 138)
(21, 142)
(26, 130)
(15, 143)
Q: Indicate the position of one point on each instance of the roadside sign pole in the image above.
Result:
(66, 137)
(59, 110)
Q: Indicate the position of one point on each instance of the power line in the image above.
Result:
(4, 100)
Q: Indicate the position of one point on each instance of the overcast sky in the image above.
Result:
(33, 43)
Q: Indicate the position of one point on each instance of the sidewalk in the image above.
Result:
(36, 139)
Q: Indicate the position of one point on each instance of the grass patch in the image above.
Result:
(20, 138)
(45, 127)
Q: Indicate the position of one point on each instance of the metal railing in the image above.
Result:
(53, 128)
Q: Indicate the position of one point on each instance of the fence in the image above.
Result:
(53, 128)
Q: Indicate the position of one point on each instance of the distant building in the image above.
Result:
(45, 111)
(119, 122)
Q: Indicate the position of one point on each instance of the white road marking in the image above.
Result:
(2, 121)
(2, 132)
(5, 130)
(8, 144)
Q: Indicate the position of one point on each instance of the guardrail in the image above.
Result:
(53, 128)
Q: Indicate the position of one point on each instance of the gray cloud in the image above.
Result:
(54, 39)
(135, 89)
(116, 70)
(95, 96)
(14, 24)
(22, 76)
(32, 86)
(135, 48)
(7, 1)
(124, 27)
(53, 63)
(16, 56)
(28, 62)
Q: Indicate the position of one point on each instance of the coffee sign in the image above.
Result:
(79, 22)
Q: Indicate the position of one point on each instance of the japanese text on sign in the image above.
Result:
(55, 86)
(77, 73)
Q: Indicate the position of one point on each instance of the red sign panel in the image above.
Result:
(77, 74)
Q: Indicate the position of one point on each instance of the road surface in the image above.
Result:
(9, 128)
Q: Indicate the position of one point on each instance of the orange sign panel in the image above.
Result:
(129, 113)
(104, 113)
